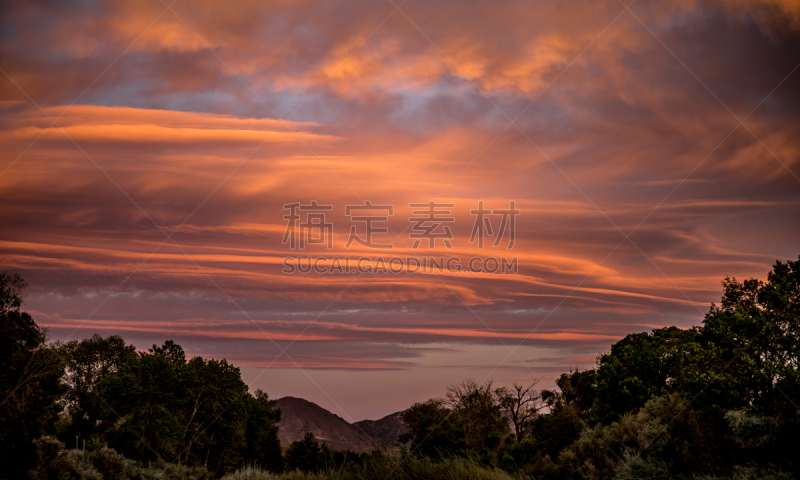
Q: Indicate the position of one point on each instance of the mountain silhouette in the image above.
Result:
(299, 416)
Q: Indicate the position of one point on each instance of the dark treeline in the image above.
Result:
(714, 401)
(152, 406)
(718, 400)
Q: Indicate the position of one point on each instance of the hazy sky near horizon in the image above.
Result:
(147, 153)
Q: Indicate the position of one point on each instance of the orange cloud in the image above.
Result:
(638, 191)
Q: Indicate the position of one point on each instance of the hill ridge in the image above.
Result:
(299, 416)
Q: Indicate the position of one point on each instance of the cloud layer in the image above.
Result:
(148, 153)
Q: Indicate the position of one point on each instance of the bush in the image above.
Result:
(752, 473)
(752, 431)
(56, 463)
(636, 467)
(386, 467)
(663, 439)
(164, 471)
(109, 463)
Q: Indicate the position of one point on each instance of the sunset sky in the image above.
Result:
(147, 150)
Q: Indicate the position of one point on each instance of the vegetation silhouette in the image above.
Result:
(714, 401)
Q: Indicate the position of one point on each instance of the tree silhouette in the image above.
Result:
(30, 373)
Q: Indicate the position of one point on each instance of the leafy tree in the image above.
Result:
(213, 414)
(304, 454)
(578, 389)
(170, 351)
(30, 389)
(756, 333)
(641, 366)
(141, 401)
(549, 435)
(469, 420)
(433, 430)
(87, 362)
(11, 287)
(196, 412)
(261, 431)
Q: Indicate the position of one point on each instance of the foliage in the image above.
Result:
(104, 464)
(662, 437)
(714, 400)
(480, 413)
(472, 418)
(152, 406)
(159, 406)
(305, 454)
(54, 463)
(433, 430)
(387, 467)
(641, 366)
(30, 388)
(709, 402)
(577, 389)
(757, 330)
(261, 432)
(87, 362)
(549, 435)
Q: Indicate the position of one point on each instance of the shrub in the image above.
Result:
(56, 463)
(386, 467)
(109, 463)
